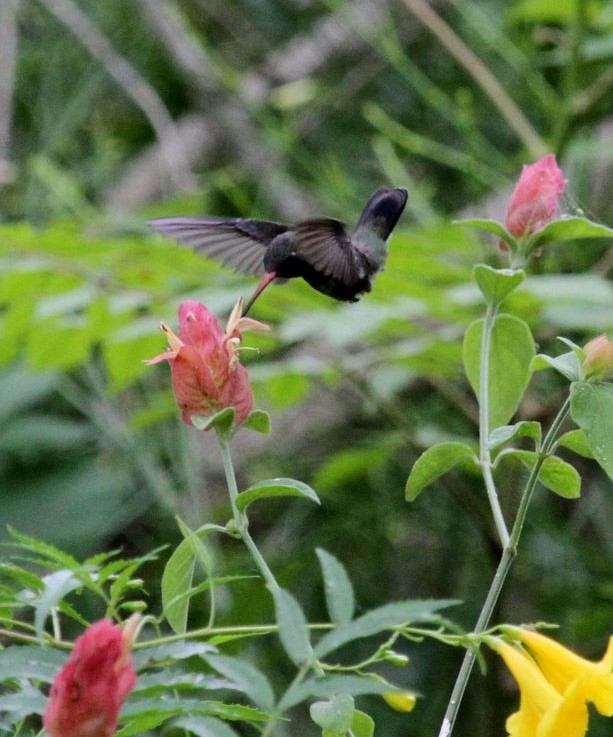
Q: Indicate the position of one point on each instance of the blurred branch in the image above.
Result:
(132, 83)
(310, 52)
(233, 110)
(8, 55)
(237, 114)
(142, 178)
(480, 73)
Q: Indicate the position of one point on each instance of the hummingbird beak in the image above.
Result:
(264, 282)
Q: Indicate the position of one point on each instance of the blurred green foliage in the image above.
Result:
(284, 110)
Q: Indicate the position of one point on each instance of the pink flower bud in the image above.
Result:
(88, 693)
(206, 374)
(598, 362)
(535, 199)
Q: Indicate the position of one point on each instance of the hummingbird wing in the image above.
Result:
(325, 244)
(237, 242)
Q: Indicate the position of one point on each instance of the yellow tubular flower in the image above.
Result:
(543, 711)
(563, 669)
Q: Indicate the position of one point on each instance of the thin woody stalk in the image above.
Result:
(502, 571)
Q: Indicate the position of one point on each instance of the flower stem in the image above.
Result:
(504, 566)
(240, 519)
(485, 458)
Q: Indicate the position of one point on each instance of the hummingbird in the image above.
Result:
(321, 250)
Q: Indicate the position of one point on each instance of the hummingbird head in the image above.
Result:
(382, 211)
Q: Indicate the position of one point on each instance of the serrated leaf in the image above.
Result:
(169, 706)
(506, 433)
(247, 679)
(495, 284)
(592, 409)
(334, 715)
(435, 462)
(565, 364)
(511, 353)
(576, 441)
(258, 421)
(161, 682)
(293, 628)
(340, 600)
(275, 488)
(55, 557)
(569, 229)
(555, 474)
(205, 726)
(389, 616)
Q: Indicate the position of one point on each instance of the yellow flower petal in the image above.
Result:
(562, 667)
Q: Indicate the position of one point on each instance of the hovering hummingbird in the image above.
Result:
(320, 250)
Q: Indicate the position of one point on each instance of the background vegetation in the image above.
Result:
(114, 112)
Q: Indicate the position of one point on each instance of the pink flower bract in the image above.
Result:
(535, 199)
(87, 694)
(206, 374)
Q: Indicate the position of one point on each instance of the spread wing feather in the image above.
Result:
(236, 242)
(325, 244)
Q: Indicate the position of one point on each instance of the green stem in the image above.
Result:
(485, 458)
(508, 554)
(240, 519)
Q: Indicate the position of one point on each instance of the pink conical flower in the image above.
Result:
(206, 374)
(535, 199)
(88, 693)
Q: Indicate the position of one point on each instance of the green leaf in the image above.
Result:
(506, 433)
(489, 226)
(389, 616)
(495, 284)
(592, 409)
(433, 463)
(169, 652)
(293, 628)
(511, 352)
(247, 678)
(323, 687)
(41, 664)
(555, 474)
(334, 716)
(176, 581)
(362, 724)
(576, 441)
(566, 364)
(258, 421)
(569, 229)
(275, 488)
(23, 703)
(205, 726)
(178, 575)
(57, 585)
(161, 682)
(340, 600)
(221, 421)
